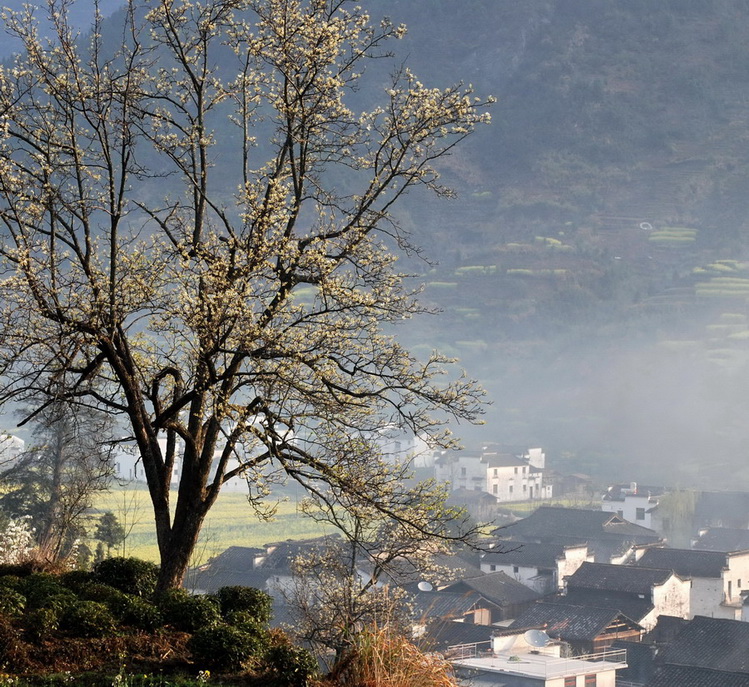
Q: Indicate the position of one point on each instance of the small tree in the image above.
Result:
(351, 583)
(199, 237)
(109, 531)
(54, 482)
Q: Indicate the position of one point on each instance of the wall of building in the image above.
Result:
(706, 597)
(672, 598)
(573, 558)
(634, 508)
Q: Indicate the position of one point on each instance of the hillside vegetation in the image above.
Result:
(593, 272)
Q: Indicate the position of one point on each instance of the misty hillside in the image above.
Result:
(594, 270)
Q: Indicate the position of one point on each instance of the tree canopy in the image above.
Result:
(198, 236)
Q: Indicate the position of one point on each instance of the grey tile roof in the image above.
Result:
(441, 634)
(687, 676)
(713, 643)
(212, 579)
(724, 539)
(685, 562)
(445, 605)
(550, 522)
(617, 578)
(528, 554)
(237, 557)
(630, 605)
(497, 588)
(569, 622)
(503, 460)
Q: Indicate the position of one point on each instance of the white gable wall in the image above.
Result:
(570, 561)
(672, 598)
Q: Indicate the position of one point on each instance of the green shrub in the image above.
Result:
(88, 619)
(129, 575)
(245, 621)
(13, 582)
(190, 613)
(140, 614)
(41, 623)
(43, 590)
(12, 603)
(75, 579)
(255, 602)
(226, 649)
(287, 665)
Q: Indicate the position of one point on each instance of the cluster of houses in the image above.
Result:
(565, 597)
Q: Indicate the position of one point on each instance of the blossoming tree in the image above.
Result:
(197, 236)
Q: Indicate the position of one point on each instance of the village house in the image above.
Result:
(507, 596)
(585, 629)
(717, 578)
(517, 658)
(542, 567)
(706, 652)
(505, 476)
(635, 503)
(610, 538)
(641, 594)
(722, 539)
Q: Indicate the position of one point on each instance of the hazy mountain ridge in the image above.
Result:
(592, 271)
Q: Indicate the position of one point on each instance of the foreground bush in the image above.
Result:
(252, 601)
(288, 665)
(88, 619)
(129, 575)
(226, 649)
(380, 657)
(189, 613)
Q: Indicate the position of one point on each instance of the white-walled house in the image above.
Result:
(460, 471)
(506, 476)
(717, 578)
(542, 567)
(513, 478)
(642, 594)
(634, 503)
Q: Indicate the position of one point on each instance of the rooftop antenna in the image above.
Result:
(425, 586)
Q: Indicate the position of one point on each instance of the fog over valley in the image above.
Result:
(593, 271)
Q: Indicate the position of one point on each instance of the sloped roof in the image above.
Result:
(666, 628)
(211, 579)
(550, 522)
(630, 605)
(441, 634)
(617, 578)
(280, 555)
(445, 605)
(689, 676)
(685, 562)
(640, 661)
(713, 643)
(497, 587)
(724, 539)
(503, 460)
(237, 557)
(569, 622)
(528, 554)
(464, 497)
